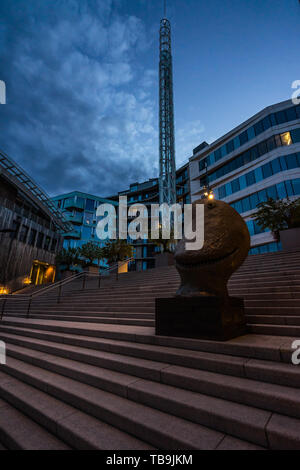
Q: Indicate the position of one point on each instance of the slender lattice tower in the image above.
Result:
(167, 166)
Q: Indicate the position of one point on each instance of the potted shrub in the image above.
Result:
(117, 251)
(89, 253)
(166, 255)
(282, 217)
(65, 259)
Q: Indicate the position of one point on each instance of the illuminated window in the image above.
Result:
(286, 138)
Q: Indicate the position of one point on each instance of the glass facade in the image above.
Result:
(255, 152)
(277, 191)
(290, 114)
(280, 164)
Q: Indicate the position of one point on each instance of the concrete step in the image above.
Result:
(18, 432)
(275, 398)
(253, 346)
(101, 319)
(282, 330)
(236, 365)
(274, 319)
(274, 310)
(269, 303)
(163, 431)
(80, 430)
(165, 402)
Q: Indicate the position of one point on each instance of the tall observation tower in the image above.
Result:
(167, 166)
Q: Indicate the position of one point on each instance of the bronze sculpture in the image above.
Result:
(202, 307)
(226, 245)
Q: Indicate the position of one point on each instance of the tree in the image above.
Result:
(117, 250)
(167, 244)
(68, 257)
(89, 252)
(278, 215)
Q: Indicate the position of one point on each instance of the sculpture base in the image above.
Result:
(200, 317)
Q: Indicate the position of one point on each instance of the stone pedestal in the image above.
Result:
(209, 318)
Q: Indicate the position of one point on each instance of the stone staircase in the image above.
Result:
(89, 373)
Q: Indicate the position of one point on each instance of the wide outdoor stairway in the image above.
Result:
(89, 372)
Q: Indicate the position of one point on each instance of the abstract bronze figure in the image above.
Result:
(202, 307)
(226, 245)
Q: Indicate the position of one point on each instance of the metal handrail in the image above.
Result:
(59, 285)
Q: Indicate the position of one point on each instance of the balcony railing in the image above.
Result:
(76, 219)
(73, 203)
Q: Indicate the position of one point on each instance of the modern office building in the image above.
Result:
(80, 210)
(147, 193)
(258, 159)
(31, 230)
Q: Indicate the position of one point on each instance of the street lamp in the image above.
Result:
(208, 193)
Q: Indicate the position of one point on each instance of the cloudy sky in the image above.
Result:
(82, 81)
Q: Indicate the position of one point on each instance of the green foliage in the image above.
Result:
(117, 250)
(68, 257)
(278, 215)
(166, 244)
(89, 252)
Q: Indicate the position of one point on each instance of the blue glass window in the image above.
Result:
(251, 133)
(280, 117)
(236, 142)
(243, 182)
(271, 144)
(273, 119)
(254, 200)
(90, 205)
(281, 191)
(291, 114)
(218, 155)
(295, 134)
(292, 161)
(250, 178)
(235, 184)
(276, 168)
(266, 123)
(267, 170)
(298, 110)
(283, 163)
(271, 192)
(222, 192)
(289, 188)
(230, 146)
(262, 148)
(246, 204)
(228, 189)
(296, 186)
(243, 138)
(258, 128)
(258, 174)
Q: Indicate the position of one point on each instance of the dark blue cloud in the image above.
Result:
(79, 113)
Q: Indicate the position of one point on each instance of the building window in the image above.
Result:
(32, 237)
(244, 138)
(286, 138)
(23, 233)
(47, 243)
(90, 205)
(54, 244)
(40, 240)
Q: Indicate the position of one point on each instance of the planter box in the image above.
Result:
(164, 259)
(122, 267)
(92, 269)
(290, 239)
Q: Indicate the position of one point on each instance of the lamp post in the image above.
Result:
(208, 193)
